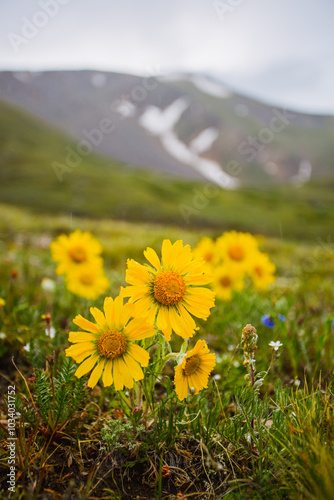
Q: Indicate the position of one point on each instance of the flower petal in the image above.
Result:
(86, 325)
(82, 337)
(118, 309)
(139, 354)
(120, 365)
(99, 317)
(80, 350)
(166, 252)
(96, 374)
(107, 377)
(133, 367)
(86, 366)
(118, 376)
(109, 311)
(137, 274)
(138, 329)
(127, 313)
(152, 257)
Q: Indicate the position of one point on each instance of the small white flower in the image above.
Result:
(236, 363)
(297, 382)
(26, 347)
(275, 345)
(248, 437)
(3, 335)
(52, 332)
(44, 241)
(48, 285)
(217, 376)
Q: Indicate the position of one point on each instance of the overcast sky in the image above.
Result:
(281, 51)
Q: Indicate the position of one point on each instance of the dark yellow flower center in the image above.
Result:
(208, 256)
(259, 271)
(77, 253)
(236, 252)
(111, 344)
(86, 279)
(225, 281)
(169, 288)
(191, 365)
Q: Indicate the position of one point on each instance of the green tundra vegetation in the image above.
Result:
(266, 434)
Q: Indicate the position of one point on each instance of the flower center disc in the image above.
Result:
(225, 281)
(78, 253)
(169, 288)
(236, 252)
(208, 257)
(191, 365)
(259, 271)
(111, 344)
(87, 279)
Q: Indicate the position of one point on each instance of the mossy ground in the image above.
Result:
(226, 442)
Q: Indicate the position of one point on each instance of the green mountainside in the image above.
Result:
(99, 187)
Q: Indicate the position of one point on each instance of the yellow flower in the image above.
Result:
(169, 293)
(108, 345)
(237, 248)
(227, 278)
(88, 280)
(262, 271)
(194, 370)
(75, 249)
(206, 250)
(2, 303)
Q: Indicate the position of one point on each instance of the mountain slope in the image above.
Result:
(104, 188)
(211, 131)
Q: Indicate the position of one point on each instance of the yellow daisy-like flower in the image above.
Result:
(75, 249)
(169, 292)
(206, 250)
(194, 370)
(2, 303)
(227, 278)
(262, 271)
(88, 281)
(237, 248)
(108, 345)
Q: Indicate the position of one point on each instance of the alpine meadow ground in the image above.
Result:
(143, 361)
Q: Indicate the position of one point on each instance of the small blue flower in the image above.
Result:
(281, 317)
(268, 321)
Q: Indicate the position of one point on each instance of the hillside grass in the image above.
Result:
(231, 441)
(100, 187)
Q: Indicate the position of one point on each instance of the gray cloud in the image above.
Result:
(280, 50)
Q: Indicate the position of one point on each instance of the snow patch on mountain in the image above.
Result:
(125, 108)
(210, 87)
(161, 123)
(204, 140)
(303, 174)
